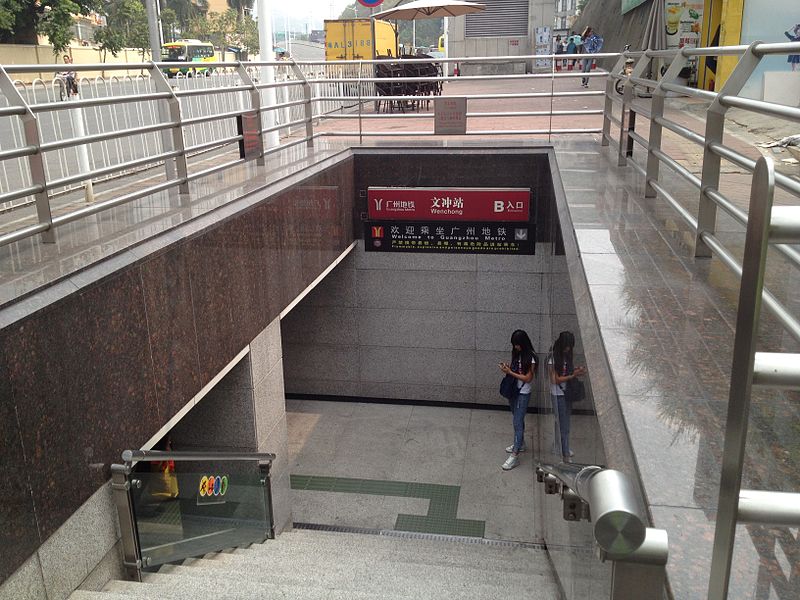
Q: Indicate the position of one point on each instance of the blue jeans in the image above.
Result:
(587, 66)
(519, 407)
(561, 412)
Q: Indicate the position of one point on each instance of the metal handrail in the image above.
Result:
(133, 456)
(619, 524)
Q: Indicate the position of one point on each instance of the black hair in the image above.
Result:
(528, 354)
(566, 339)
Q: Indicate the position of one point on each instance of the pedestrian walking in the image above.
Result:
(794, 36)
(572, 48)
(591, 44)
(522, 368)
(561, 369)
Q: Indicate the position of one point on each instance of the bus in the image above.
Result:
(189, 51)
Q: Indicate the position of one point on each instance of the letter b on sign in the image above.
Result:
(498, 206)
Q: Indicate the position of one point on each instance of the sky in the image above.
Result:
(301, 12)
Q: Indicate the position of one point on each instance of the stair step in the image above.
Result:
(510, 560)
(399, 578)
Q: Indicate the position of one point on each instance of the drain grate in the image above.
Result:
(412, 535)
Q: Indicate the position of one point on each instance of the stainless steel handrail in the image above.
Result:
(619, 524)
(133, 456)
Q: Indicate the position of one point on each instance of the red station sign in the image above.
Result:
(449, 204)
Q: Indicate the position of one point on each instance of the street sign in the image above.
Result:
(370, 3)
(449, 204)
(450, 115)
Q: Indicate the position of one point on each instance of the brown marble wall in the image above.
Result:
(103, 368)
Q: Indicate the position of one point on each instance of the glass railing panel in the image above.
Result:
(198, 508)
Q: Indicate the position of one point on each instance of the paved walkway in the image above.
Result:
(416, 468)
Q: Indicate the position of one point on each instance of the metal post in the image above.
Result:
(309, 108)
(762, 193)
(267, 72)
(656, 112)
(121, 496)
(265, 468)
(715, 129)
(174, 114)
(30, 129)
(360, 125)
(625, 116)
(79, 129)
(608, 109)
(641, 574)
(255, 100)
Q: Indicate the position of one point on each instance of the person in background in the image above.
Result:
(557, 50)
(572, 48)
(794, 36)
(591, 44)
(70, 76)
(522, 368)
(561, 369)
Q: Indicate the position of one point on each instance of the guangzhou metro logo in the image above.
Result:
(213, 485)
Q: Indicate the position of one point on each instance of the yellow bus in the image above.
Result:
(188, 51)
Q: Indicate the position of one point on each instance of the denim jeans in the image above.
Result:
(519, 407)
(561, 414)
(587, 66)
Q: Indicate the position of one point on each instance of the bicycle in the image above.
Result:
(67, 85)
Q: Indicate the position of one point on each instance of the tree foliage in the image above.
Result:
(126, 27)
(428, 30)
(22, 20)
(231, 29)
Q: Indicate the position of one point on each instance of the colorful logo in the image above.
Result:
(213, 485)
(377, 231)
(370, 3)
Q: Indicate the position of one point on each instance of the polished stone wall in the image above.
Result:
(100, 361)
(433, 327)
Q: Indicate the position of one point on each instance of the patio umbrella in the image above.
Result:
(655, 36)
(430, 9)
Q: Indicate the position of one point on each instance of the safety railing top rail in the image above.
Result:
(134, 456)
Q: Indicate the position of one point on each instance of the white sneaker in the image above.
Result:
(511, 462)
(510, 449)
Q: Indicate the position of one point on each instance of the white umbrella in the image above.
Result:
(430, 9)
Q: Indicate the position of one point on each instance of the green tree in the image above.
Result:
(185, 11)
(22, 20)
(169, 23)
(581, 5)
(126, 27)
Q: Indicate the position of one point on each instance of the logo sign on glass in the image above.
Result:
(211, 489)
(466, 220)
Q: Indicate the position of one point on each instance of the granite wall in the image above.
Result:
(433, 327)
(101, 361)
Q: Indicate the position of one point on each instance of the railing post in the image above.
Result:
(360, 124)
(30, 129)
(121, 496)
(759, 218)
(307, 105)
(174, 106)
(626, 121)
(608, 109)
(265, 468)
(656, 129)
(255, 101)
(641, 574)
(715, 129)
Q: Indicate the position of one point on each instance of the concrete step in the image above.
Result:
(510, 560)
(325, 539)
(173, 587)
(397, 578)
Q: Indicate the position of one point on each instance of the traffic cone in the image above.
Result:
(456, 72)
(594, 63)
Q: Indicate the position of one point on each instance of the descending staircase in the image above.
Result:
(320, 565)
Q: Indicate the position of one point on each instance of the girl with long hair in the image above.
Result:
(561, 369)
(522, 368)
